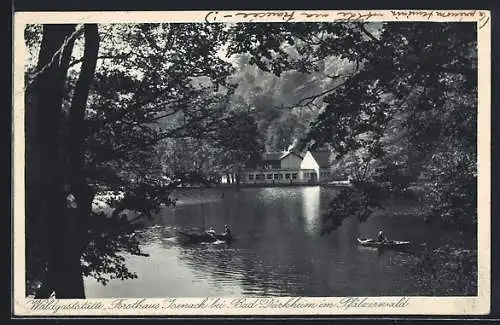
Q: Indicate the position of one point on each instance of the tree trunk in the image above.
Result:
(49, 87)
(71, 285)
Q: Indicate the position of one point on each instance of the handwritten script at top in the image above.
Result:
(481, 17)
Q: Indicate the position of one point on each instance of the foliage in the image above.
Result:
(107, 239)
(238, 139)
(358, 201)
(153, 91)
(452, 192)
(446, 271)
(231, 147)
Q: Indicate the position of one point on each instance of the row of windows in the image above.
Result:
(271, 166)
(271, 176)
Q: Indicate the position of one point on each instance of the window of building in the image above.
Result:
(276, 176)
(287, 175)
(294, 176)
(269, 176)
(250, 177)
(280, 176)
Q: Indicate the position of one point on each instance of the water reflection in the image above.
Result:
(277, 251)
(311, 208)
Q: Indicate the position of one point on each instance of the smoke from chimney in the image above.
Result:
(293, 145)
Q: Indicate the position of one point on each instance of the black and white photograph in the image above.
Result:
(251, 159)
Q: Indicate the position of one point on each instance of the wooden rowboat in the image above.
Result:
(393, 244)
(205, 237)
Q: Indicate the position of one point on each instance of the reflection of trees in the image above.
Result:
(254, 274)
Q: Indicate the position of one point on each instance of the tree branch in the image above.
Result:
(309, 99)
(57, 55)
(370, 35)
(121, 56)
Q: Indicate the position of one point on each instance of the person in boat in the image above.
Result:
(381, 236)
(211, 232)
(227, 231)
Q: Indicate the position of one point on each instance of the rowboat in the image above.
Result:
(394, 244)
(205, 237)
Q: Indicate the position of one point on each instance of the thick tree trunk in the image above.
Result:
(71, 285)
(78, 130)
(49, 87)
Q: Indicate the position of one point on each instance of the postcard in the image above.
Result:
(253, 162)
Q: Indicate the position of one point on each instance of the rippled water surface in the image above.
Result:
(278, 250)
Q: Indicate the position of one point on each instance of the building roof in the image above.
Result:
(322, 158)
(291, 152)
(268, 156)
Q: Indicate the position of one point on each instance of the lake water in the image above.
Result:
(278, 250)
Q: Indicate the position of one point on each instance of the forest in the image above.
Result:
(142, 108)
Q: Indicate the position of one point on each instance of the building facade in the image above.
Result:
(319, 162)
(289, 168)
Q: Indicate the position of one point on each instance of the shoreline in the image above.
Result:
(258, 185)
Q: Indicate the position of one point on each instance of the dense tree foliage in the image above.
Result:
(225, 151)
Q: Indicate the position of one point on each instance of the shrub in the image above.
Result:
(451, 191)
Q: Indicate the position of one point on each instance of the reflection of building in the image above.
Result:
(311, 203)
(289, 168)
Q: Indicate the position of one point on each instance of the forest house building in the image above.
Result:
(289, 168)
